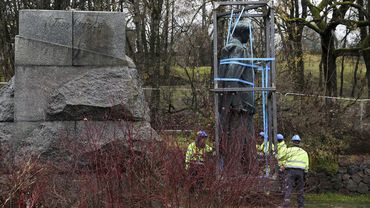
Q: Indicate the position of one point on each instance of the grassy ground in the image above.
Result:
(201, 71)
(177, 95)
(312, 73)
(337, 200)
(312, 62)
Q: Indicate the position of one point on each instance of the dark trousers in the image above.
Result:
(281, 178)
(292, 176)
(196, 174)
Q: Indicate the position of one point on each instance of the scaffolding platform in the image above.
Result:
(261, 16)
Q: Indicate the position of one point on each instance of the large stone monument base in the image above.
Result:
(73, 85)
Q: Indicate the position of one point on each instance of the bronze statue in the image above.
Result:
(236, 108)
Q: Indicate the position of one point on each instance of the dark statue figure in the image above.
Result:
(236, 108)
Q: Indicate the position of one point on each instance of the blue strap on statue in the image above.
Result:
(248, 59)
(234, 80)
(236, 22)
(256, 67)
(229, 28)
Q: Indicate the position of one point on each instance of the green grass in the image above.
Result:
(337, 200)
(312, 62)
(179, 93)
(181, 72)
(176, 95)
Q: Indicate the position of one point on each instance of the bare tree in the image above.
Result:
(292, 38)
(324, 18)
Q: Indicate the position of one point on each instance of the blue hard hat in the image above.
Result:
(202, 133)
(296, 138)
(262, 134)
(279, 137)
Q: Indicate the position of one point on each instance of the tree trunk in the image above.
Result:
(320, 73)
(204, 14)
(355, 77)
(295, 49)
(137, 18)
(366, 55)
(155, 45)
(341, 78)
(167, 65)
(300, 63)
(6, 37)
(328, 58)
(365, 42)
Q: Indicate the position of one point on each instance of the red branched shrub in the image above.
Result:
(94, 171)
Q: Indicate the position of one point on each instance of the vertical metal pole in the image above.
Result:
(215, 74)
(273, 72)
(268, 54)
(361, 114)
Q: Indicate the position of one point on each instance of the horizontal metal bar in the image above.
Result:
(246, 8)
(244, 15)
(244, 89)
(325, 97)
(177, 130)
(226, 3)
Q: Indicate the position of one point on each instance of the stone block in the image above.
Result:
(6, 135)
(337, 185)
(7, 102)
(356, 178)
(342, 170)
(353, 169)
(47, 26)
(363, 188)
(45, 38)
(35, 52)
(22, 130)
(367, 171)
(98, 38)
(107, 93)
(344, 191)
(41, 139)
(63, 38)
(70, 93)
(326, 185)
(59, 140)
(345, 177)
(34, 84)
(6, 138)
(366, 179)
(352, 186)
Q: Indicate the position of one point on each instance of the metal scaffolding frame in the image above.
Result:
(267, 13)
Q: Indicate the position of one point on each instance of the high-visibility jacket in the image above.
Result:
(261, 148)
(296, 157)
(195, 154)
(281, 152)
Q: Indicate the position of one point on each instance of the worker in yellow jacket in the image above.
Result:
(262, 149)
(296, 165)
(194, 160)
(281, 149)
(197, 150)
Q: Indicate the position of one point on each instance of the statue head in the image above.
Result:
(241, 31)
